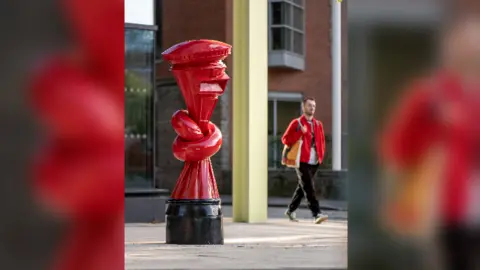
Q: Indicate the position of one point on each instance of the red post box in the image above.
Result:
(194, 213)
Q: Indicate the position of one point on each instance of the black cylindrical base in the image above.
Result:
(194, 222)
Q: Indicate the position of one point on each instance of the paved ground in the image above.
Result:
(277, 244)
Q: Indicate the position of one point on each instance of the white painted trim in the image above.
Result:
(275, 131)
(336, 55)
(285, 96)
(283, 58)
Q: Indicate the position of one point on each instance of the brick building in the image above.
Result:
(299, 66)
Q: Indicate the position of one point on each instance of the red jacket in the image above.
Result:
(438, 111)
(294, 133)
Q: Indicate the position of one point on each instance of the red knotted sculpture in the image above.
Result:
(194, 213)
(197, 180)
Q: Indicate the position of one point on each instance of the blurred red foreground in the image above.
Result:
(78, 175)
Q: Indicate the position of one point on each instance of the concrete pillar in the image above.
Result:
(336, 22)
(250, 110)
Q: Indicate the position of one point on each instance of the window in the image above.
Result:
(282, 108)
(287, 26)
(139, 86)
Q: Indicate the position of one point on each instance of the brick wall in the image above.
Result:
(191, 19)
(315, 80)
(185, 20)
(213, 19)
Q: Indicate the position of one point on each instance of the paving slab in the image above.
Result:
(276, 244)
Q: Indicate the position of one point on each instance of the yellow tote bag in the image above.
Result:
(291, 155)
(413, 210)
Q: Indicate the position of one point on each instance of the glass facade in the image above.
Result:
(287, 26)
(139, 95)
(280, 113)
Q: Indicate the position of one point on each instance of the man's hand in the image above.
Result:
(304, 129)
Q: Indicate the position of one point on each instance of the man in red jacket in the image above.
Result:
(443, 110)
(310, 131)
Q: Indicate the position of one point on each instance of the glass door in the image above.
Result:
(139, 89)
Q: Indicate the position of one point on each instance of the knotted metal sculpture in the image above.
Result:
(194, 213)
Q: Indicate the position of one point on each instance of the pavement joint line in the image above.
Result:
(248, 240)
(271, 221)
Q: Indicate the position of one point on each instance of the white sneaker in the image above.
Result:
(320, 218)
(291, 216)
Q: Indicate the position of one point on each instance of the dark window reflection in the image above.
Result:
(272, 142)
(298, 18)
(139, 74)
(281, 13)
(281, 38)
(158, 22)
(298, 42)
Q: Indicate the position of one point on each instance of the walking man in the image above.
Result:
(312, 152)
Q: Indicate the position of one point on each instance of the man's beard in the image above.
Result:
(308, 113)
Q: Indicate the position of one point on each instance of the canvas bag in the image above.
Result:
(291, 155)
(412, 211)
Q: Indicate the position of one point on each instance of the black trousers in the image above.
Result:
(305, 189)
(461, 248)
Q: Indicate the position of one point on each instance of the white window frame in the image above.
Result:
(275, 97)
(290, 26)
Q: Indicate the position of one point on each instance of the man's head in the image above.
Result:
(309, 106)
(461, 47)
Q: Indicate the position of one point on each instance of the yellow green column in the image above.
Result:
(250, 110)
